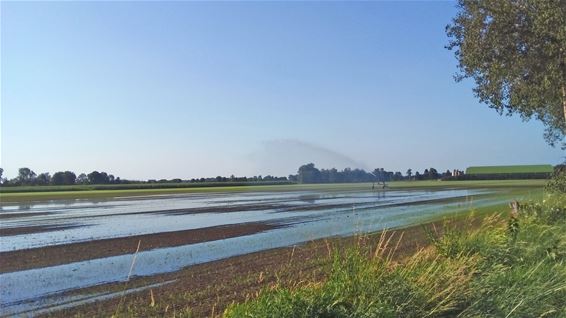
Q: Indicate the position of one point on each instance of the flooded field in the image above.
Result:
(175, 231)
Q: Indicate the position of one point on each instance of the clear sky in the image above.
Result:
(190, 89)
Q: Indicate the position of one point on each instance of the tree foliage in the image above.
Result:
(308, 173)
(63, 178)
(26, 176)
(558, 181)
(43, 179)
(96, 177)
(515, 51)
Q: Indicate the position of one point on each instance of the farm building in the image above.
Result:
(510, 172)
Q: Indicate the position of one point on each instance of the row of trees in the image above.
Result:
(310, 174)
(307, 173)
(27, 177)
(232, 178)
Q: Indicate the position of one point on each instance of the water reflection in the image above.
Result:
(35, 283)
(308, 215)
(380, 194)
(309, 198)
(110, 218)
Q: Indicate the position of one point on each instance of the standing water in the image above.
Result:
(298, 217)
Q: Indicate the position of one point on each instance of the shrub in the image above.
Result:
(362, 286)
(557, 183)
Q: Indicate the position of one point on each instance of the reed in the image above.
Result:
(513, 265)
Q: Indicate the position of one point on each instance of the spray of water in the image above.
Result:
(283, 156)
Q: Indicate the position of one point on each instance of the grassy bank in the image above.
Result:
(135, 186)
(510, 266)
(510, 169)
(16, 194)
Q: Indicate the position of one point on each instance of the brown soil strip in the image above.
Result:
(67, 253)
(222, 209)
(207, 289)
(34, 229)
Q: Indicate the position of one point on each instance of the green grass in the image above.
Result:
(134, 186)
(509, 169)
(86, 191)
(508, 267)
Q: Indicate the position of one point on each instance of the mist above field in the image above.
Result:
(283, 156)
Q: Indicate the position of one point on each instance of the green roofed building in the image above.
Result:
(510, 172)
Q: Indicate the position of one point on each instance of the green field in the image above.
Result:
(133, 186)
(76, 192)
(509, 169)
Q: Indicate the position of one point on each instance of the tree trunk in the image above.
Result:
(563, 71)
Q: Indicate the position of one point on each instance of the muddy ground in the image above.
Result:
(67, 253)
(207, 289)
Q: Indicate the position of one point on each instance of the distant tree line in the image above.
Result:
(308, 173)
(27, 177)
(231, 178)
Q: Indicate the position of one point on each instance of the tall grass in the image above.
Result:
(510, 266)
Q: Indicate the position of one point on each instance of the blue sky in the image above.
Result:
(190, 89)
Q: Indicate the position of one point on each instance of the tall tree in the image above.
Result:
(82, 179)
(515, 51)
(26, 176)
(96, 177)
(58, 178)
(333, 175)
(63, 178)
(308, 174)
(43, 178)
(432, 173)
(70, 177)
(398, 176)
